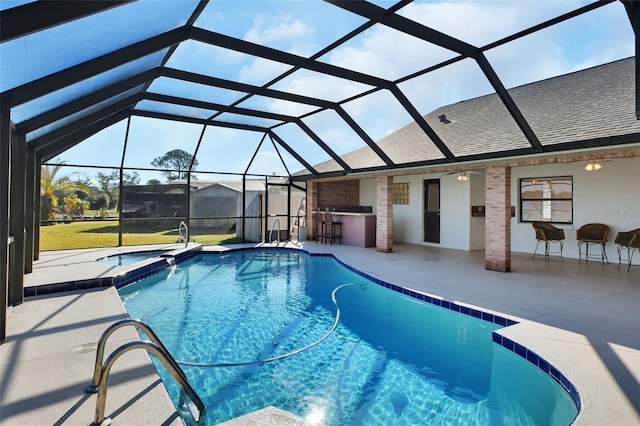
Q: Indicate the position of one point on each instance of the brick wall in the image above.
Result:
(497, 255)
(312, 206)
(344, 193)
(384, 214)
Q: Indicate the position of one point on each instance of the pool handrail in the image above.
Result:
(277, 221)
(156, 347)
(183, 227)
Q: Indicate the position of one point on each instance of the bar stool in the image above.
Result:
(320, 227)
(333, 230)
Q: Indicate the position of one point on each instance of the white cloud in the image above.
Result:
(268, 29)
(260, 71)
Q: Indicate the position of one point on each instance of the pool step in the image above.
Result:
(269, 416)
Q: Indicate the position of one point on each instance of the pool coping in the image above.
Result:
(126, 275)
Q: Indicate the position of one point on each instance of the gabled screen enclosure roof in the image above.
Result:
(308, 88)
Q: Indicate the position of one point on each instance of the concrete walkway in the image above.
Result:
(582, 317)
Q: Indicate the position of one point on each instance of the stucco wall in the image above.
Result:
(408, 219)
(610, 195)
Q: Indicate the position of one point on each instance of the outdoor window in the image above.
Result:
(548, 199)
(401, 193)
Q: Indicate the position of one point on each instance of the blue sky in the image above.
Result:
(305, 27)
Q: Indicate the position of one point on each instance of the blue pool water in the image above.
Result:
(130, 258)
(392, 360)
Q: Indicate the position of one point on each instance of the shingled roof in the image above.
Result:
(592, 107)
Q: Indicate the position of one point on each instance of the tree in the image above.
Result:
(51, 187)
(109, 185)
(75, 206)
(175, 160)
(153, 182)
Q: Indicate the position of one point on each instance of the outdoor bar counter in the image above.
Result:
(358, 229)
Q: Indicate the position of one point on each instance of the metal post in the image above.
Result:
(5, 184)
(17, 219)
(29, 211)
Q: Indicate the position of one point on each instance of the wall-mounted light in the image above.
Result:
(592, 166)
(462, 177)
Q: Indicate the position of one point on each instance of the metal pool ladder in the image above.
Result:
(275, 222)
(188, 397)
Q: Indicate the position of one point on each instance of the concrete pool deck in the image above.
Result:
(584, 318)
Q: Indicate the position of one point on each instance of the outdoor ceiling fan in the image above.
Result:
(463, 175)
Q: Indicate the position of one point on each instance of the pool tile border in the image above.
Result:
(497, 338)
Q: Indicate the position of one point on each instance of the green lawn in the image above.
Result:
(104, 233)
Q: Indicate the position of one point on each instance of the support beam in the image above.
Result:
(30, 211)
(384, 214)
(497, 255)
(508, 102)
(312, 206)
(23, 20)
(5, 184)
(56, 81)
(17, 219)
(37, 198)
(633, 10)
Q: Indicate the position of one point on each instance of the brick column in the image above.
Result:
(497, 242)
(312, 206)
(384, 214)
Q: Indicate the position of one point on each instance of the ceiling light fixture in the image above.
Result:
(592, 166)
(462, 177)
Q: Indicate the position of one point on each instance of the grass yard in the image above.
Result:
(104, 233)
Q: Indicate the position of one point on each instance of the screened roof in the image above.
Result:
(309, 88)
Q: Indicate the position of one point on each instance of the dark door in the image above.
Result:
(432, 211)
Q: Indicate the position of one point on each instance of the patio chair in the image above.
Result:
(333, 228)
(629, 240)
(593, 234)
(547, 233)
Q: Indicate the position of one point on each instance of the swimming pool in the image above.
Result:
(130, 258)
(393, 359)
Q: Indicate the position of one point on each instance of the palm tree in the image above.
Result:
(50, 185)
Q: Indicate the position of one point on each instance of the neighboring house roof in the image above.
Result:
(596, 104)
(236, 185)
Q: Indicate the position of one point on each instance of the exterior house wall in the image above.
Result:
(455, 212)
(477, 225)
(455, 208)
(405, 227)
(609, 195)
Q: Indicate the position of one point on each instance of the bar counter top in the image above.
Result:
(358, 229)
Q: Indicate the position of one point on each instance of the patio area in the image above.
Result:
(581, 317)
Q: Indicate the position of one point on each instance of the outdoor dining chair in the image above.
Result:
(547, 233)
(629, 241)
(592, 234)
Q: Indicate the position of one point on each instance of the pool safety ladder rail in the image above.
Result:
(299, 222)
(275, 222)
(183, 231)
(188, 397)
